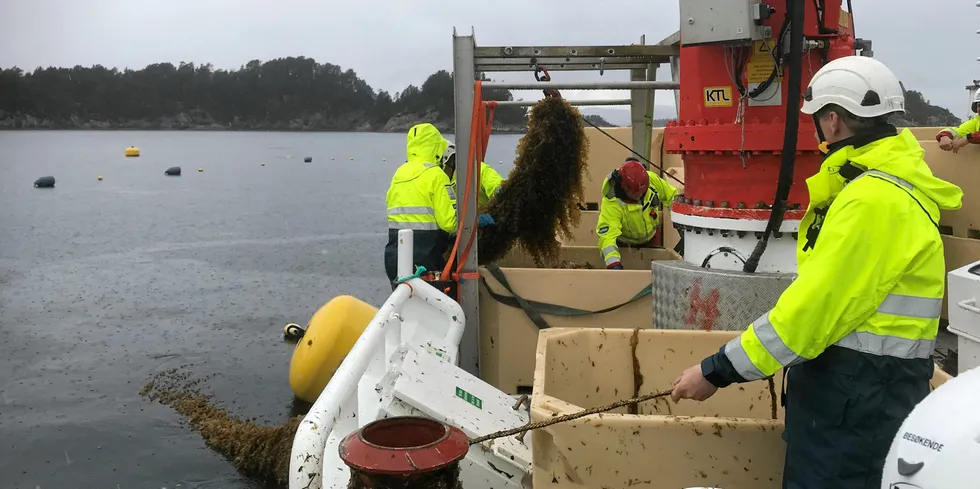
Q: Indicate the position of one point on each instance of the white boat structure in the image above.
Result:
(466, 361)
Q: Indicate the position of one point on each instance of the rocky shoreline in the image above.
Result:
(202, 122)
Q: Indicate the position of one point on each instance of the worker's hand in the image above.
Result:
(959, 144)
(692, 385)
(484, 220)
(945, 143)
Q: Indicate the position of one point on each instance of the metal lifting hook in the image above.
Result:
(541, 74)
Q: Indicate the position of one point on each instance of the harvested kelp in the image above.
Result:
(538, 202)
(260, 452)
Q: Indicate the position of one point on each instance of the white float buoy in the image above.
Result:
(199, 170)
(100, 178)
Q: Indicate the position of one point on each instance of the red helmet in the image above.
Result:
(633, 179)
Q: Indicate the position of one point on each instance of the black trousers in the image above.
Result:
(843, 409)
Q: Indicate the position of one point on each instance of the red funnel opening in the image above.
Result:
(404, 445)
(404, 433)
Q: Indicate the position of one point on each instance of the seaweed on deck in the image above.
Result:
(538, 203)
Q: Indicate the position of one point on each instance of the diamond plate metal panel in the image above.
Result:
(686, 296)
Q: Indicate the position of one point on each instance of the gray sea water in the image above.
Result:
(104, 283)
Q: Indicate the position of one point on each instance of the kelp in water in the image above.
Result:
(538, 202)
(260, 452)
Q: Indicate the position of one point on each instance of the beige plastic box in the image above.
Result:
(730, 441)
(508, 337)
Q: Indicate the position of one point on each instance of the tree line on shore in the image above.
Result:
(294, 93)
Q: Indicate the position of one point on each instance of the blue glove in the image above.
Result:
(484, 220)
(616, 267)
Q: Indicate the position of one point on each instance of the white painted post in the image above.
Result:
(406, 244)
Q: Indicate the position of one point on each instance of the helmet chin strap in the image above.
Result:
(824, 145)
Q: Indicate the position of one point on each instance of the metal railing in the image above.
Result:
(640, 60)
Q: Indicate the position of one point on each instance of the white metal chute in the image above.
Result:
(405, 363)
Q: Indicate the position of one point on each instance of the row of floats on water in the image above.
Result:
(48, 181)
(131, 152)
(134, 152)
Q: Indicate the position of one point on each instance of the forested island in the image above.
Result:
(289, 94)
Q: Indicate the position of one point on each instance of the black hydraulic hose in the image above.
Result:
(788, 161)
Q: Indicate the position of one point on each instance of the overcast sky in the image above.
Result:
(931, 45)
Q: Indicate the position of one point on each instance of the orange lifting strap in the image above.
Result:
(480, 126)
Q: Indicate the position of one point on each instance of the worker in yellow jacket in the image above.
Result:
(954, 139)
(855, 331)
(421, 198)
(490, 180)
(632, 200)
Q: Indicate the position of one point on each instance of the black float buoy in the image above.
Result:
(173, 171)
(308, 159)
(44, 182)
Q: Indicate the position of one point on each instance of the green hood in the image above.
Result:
(901, 156)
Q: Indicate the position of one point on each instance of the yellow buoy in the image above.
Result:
(263, 164)
(352, 158)
(200, 170)
(100, 178)
(132, 151)
(332, 332)
(332, 158)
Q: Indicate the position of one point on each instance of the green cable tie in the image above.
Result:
(419, 270)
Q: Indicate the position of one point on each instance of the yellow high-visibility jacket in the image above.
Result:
(969, 130)
(630, 223)
(490, 182)
(871, 270)
(420, 196)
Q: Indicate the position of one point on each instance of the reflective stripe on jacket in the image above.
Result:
(873, 279)
(631, 223)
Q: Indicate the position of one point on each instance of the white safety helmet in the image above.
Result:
(976, 100)
(860, 85)
(938, 445)
(448, 153)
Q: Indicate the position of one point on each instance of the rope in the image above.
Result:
(482, 136)
(522, 430)
(419, 271)
(638, 155)
(568, 417)
(478, 106)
